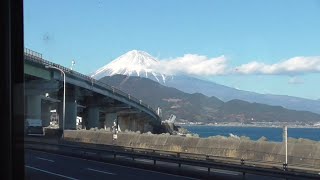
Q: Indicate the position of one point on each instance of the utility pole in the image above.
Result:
(285, 139)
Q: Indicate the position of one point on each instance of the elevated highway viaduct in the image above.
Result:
(99, 104)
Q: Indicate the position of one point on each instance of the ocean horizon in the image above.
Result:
(254, 133)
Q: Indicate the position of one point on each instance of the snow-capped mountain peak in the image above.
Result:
(132, 63)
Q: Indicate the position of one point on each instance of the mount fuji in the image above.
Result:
(142, 64)
(133, 63)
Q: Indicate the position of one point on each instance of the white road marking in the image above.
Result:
(101, 171)
(48, 172)
(45, 159)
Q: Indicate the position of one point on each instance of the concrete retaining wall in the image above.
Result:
(300, 151)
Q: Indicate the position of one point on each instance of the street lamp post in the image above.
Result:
(64, 96)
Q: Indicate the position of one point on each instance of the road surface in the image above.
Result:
(47, 166)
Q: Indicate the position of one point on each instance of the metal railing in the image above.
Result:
(37, 57)
(32, 53)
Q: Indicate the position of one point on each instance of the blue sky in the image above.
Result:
(267, 32)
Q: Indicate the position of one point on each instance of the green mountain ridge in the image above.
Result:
(197, 107)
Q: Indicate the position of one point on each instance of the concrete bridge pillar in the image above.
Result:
(70, 109)
(60, 114)
(133, 124)
(93, 117)
(71, 113)
(136, 124)
(109, 119)
(33, 107)
(84, 116)
(140, 123)
(45, 114)
(147, 126)
(124, 122)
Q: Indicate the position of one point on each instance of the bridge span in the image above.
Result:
(98, 104)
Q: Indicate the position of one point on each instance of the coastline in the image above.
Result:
(249, 125)
(272, 133)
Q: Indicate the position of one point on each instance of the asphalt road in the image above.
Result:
(47, 166)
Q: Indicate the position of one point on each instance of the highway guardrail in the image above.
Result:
(102, 152)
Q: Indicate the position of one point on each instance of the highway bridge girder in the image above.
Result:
(50, 99)
(117, 108)
(41, 86)
(129, 111)
(86, 83)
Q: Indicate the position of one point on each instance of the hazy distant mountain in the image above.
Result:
(201, 108)
(225, 93)
(142, 64)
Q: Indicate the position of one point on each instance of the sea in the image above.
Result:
(255, 133)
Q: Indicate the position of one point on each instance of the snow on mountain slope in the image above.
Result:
(132, 63)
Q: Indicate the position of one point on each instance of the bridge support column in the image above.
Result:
(45, 114)
(147, 126)
(137, 124)
(133, 124)
(60, 115)
(70, 109)
(109, 119)
(141, 123)
(84, 117)
(71, 113)
(124, 122)
(93, 117)
(33, 107)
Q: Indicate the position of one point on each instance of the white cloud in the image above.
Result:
(200, 65)
(296, 65)
(295, 80)
(194, 64)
